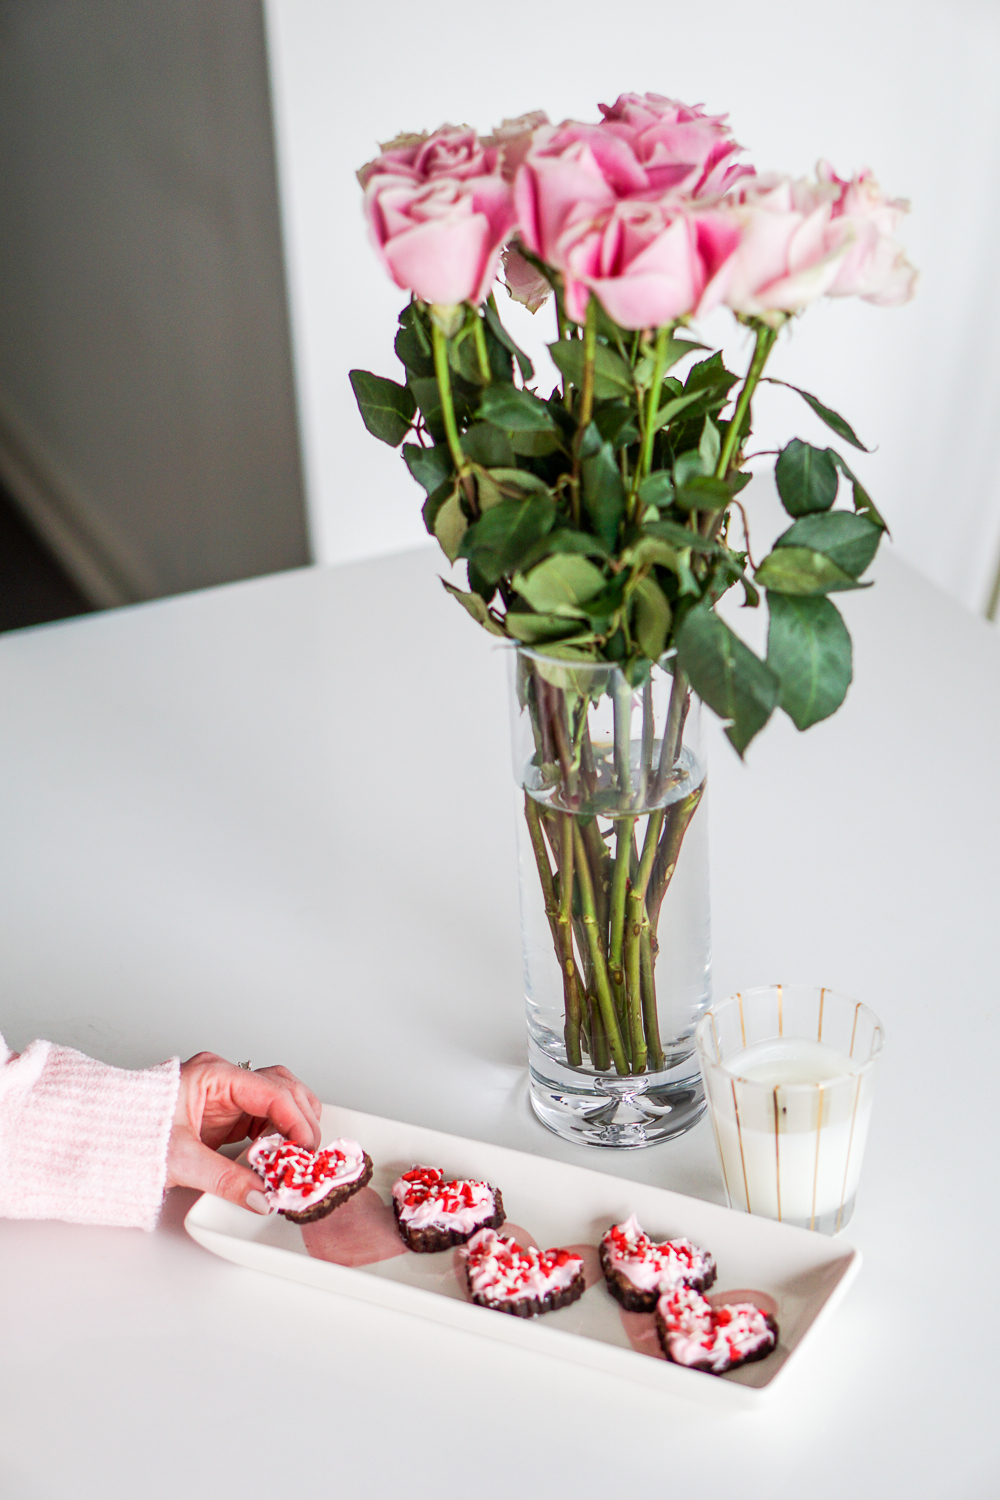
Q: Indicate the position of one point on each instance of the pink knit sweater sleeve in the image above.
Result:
(82, 1141)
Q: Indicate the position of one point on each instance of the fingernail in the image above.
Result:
(257, 1202)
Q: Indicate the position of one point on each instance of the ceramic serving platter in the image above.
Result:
(356, 1252)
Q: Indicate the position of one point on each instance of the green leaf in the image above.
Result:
(806, 478)
(670, 531)
(476, 607)
(849, 540)
(702, 492)
(428, 398)
(710, 375)
(496, 485)
(515, 411)
(863, 502)
(809, 648)
(651, 615)
(657, 489)
(709, 446)
(560, 585)
(727, 675)
(450, 525)
(534, 444)
(604, 494)
(463, 357)
(430, 467)
(532, 629)
(582, 543)
(612, 376)
(387, 409)
(498, 541)
(673, 408)
(831, 418)
(800, 570)
(516, 482)
(499, 332)
(614, 421)
(434, 502)
(489, 446)
(676, 349)
(413, 352)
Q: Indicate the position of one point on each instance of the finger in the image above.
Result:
(260, 1096)
(301, 1091)
(197, 1166)
(306, 1100)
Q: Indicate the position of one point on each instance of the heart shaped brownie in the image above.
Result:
(518, 1279)
(694, 1333)
(433, 1214)
(639, 1270)
(305, 1185)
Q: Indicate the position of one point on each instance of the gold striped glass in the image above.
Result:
(789, 1074)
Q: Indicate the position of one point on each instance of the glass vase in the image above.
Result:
(613, 863)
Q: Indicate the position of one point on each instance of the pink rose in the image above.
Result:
(523, 282)
(610, 206)
(648, 263)
(440, 237)
(452, 151)
(678, 145)
(570, 173)
(512, 139)
(874, 267)
(787, 255)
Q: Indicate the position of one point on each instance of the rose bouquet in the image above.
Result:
(598, 522)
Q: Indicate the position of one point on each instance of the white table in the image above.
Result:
(189, 851)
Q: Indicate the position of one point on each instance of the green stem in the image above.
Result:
(671, 730)
(559, 913)
(598, 962)
(649, 434)
(589, 353)
(619, 889)
(621, 704)
(636, 916)
(482, 353)
(677, 823)
(765, 342)
(565, 924)
(599, 1054)
(600, 870)
(650, 1019)
(443, 374)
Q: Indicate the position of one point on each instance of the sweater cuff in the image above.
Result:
(83, 1141)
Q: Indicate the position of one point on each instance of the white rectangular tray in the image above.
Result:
(805, 1274)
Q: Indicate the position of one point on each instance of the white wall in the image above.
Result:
(908, 88)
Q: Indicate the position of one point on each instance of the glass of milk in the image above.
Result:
(789, 1074)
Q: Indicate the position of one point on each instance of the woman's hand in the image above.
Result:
(219, 1103)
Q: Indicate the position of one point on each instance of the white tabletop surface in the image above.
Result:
(200, 847)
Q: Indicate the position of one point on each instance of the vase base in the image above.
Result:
(620, 1113)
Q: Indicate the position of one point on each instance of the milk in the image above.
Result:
(791, 1117)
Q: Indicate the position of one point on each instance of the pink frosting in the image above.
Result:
(719, 1337)
(424, 1198)
(296, 1178)
(652, 1267)
(502, 1270)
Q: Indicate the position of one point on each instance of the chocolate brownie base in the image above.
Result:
(435, 1237)
(631, 1297)
(332, 1200)
(734, 1364)
(531, 1307)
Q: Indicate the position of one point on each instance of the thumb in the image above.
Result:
(198, 1166)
